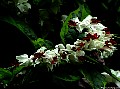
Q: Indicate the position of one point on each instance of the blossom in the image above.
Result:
(96, 44)
(80, 25)
(24, 60)
(95, 39)
(23, 5)
(42, 49)
(86, 22)
(49, 55)
(80, 53)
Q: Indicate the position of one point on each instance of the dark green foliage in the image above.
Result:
(42, 26)
(96, 80)
(81, 12)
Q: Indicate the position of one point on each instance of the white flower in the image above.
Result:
(113, 48)
(61, 46)
(96, 44)
(100, 33)
(72, 56)
(78, 42)
(23, 5)
(86, 21)
(84, 24)
(104, 38)
(69, 48)
(80, 53)
(49, 55)
(42, 49)
(80, 28)
(107, 52)
(24, 59)
(95, 38)
(97, 26)
(76, 20)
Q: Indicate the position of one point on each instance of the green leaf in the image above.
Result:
(118, 10)
(36, 1)
(103, 67)
(41, 42)
(17, 70)
(94, 77)
(5, 74)
(107, 70)
(55, 7)
(109, 1)
(81, 35)
(64, 29)
(5, 82)
(85, 11)
(104, 5)
(81, 12)
(44, 14)
(69, 78)
(5, 77)
(22, 26)
(71, 36)
(91, 59)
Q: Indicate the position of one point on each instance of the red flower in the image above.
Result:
(113, 41)
(63, 55)
(81, 44)
(94, 36)
(72, 23)
(38, 55)
(95, 21)
(107, 31)
(107, 43)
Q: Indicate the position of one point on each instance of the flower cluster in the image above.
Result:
(23, 5)
(97, 41)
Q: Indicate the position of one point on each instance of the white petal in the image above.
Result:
(22, 56)
(61, 46)
(80, 28)
(76, 20)
(80, 53)
(68, 46)
(22, 1)
(87, 20)
(27, 5)
(24, 7)
(42, 49)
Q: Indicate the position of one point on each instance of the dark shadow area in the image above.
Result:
(13, 42)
